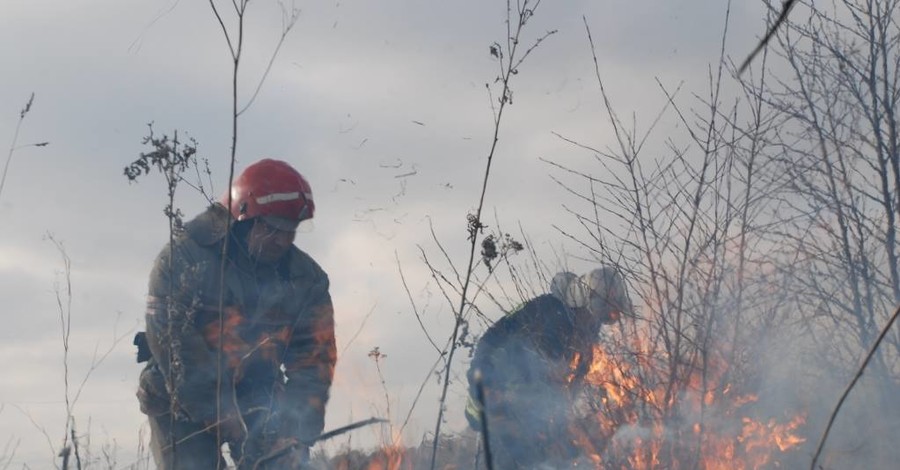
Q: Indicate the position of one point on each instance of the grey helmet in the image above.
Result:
(559, 286)
(602, 291)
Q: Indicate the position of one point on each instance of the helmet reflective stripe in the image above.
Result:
(275, 197)
(270, 188)
(473, 411)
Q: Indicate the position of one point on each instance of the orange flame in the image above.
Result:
(634, 416)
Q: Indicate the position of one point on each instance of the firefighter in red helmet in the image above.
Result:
(240, 331)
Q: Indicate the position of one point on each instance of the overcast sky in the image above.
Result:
(381, 104)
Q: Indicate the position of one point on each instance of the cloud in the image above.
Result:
(381, 104)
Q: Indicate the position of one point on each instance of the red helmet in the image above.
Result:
(271, 188)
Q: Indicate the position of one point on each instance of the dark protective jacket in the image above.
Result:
(530, 362)
(276, 332)
(534, 353)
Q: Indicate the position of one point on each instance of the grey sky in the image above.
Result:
(341, 104)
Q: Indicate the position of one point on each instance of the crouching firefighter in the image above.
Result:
(523, 374)
(242, 349)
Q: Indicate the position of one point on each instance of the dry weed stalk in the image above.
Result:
(234, 38)
(13, 147)
(72, 442)
(688, 231)
(838, 169)
(509, 57)
(173, 158)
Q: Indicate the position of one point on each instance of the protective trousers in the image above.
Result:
(196, 448)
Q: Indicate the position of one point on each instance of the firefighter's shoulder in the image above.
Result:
(302, 267)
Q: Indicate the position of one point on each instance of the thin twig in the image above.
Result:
(859, 373)
(285, 29)
(236, 61)
(12, 146)
(419, 393)
(37, 426)
(785, 9)
(359, 330)
(475, 222)
(6, 458)
(65, 322)
(412, 303)
(218, 16)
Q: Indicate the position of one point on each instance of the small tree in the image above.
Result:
(836, 162)
(673, 385)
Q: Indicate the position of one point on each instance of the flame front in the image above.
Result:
(639, 412)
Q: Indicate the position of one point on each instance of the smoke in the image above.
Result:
(802, 371)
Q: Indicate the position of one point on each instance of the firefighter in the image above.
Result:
(528, 362)
(243, 348)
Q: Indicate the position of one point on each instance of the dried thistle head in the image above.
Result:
(27, 107)
(168, 155)
(474, 226)
(376, 354)
(493, 247)
(488, 250)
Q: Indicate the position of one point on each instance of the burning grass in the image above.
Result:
(639, 411)
(460, 452)
(634, 410)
